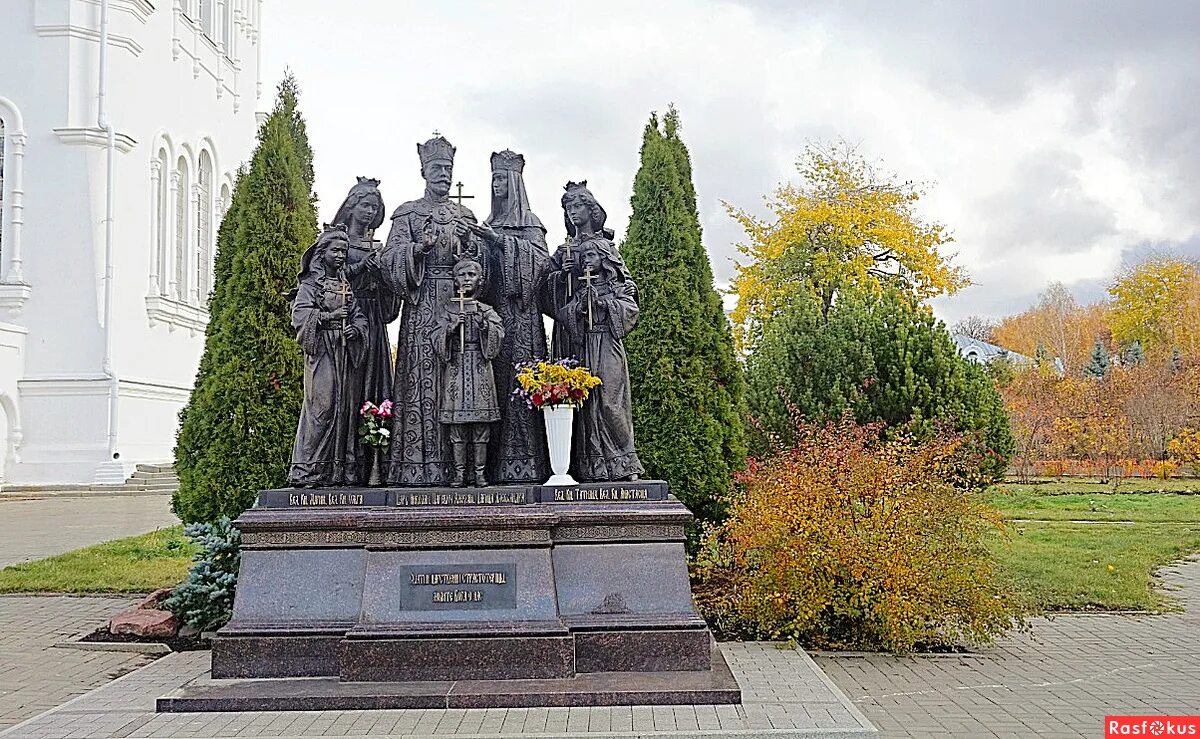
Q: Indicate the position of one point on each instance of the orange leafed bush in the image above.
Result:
(848, 540)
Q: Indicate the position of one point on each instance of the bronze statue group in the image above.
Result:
(470, 298)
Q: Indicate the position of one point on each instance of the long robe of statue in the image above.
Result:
(426, 239)
(412, 274)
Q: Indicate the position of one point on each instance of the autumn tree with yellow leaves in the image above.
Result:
(1157, 304)
(846, 223)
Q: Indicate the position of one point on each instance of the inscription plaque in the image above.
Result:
(455, 587)
(322, 498)
(606, 492)
(452, 496)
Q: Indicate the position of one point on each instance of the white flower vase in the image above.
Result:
(559, 423)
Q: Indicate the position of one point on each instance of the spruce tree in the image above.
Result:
(1133, 354)
(236, 432)
(1100, 362)
(685, 381)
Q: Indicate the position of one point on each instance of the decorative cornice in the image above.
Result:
(423, 539)
(619, 532)
(89, 34)
(13, 296)
(153, 391)
(175, 314)
(81, 136)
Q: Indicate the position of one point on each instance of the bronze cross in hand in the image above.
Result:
(345, 293)
(588, 277)
(459, 195)
(462, 312)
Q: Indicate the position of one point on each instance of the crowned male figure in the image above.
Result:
(427, 238)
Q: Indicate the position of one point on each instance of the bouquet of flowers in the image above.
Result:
(374, 429)
(549, 384)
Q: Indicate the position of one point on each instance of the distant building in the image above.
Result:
(982, 352)
(82, 401)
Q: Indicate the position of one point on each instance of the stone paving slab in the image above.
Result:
(784, 693)
(1060, 679)
(32, 529)
(35, 676)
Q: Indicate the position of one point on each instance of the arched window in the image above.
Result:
(204, 229)
(179, 274)
(160, 220)
(207, 18)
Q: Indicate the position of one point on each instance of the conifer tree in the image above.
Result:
(686, 383)
(1100, 362)
(880, 357)
(1133, 354)
(236, 432)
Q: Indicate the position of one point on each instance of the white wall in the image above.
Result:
(170, 88)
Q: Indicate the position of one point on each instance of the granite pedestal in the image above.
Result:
(380, 590)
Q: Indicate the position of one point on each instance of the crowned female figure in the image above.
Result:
(360, 214)
(584, 218)
(516, 241)
(331, 329)
(594, 322)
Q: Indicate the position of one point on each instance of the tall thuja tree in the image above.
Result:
(729, 399)
(236, 432)
(685, 382)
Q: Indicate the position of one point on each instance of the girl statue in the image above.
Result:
(360, 214)
(516, 249)
(594, 322)
(584, 218)
(331, 329)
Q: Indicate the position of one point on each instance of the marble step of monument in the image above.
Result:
(714, 686)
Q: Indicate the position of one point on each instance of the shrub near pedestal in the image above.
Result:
(845, 540)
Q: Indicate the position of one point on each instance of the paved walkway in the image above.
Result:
(32, 529)
(784, 695)
(34, 675)
(1058, 681)
(1061, 680)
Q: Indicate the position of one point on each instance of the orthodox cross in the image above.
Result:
(459, 195)
(587, 277)
(462, 327)
(345, 293)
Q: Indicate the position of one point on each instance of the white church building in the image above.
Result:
(123, 124)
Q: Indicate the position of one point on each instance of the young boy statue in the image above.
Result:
(466, 337)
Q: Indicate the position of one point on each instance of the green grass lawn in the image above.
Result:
(138, 564)
(1066, 566)
(1058, 565)
(1145, 507)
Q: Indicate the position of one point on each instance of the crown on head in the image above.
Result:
(436, 149)
(368, 181)
(507, 160)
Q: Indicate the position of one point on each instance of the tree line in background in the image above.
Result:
(1112, 388)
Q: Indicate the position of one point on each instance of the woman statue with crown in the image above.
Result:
(330, 328)
(516, 241)
(360, 214)
(428, 237)
(584, 218)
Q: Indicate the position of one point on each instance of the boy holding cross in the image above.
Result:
(466, 336)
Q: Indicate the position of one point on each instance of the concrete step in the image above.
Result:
(170, 468)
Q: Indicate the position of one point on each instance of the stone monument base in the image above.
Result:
(504, 596)
(716, 685)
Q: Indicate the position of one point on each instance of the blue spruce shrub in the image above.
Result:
(204, 600)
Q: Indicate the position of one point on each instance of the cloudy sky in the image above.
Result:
(1058, 139)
